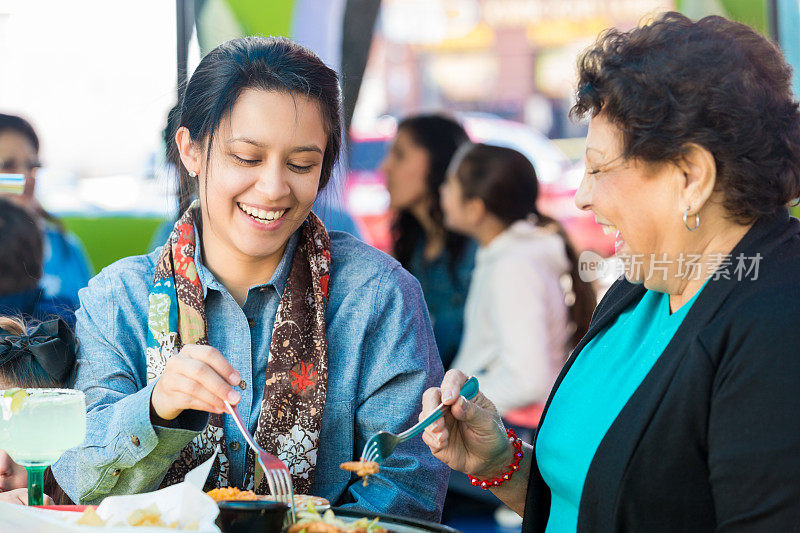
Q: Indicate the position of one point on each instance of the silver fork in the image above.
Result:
(382, 444)
(278, 476)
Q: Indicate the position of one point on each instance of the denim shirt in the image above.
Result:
(381, 358)
(445, 289)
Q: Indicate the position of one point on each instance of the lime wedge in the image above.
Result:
(10, 392)
(18, 400)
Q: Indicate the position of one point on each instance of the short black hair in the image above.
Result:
(715, 83)
(267, 63)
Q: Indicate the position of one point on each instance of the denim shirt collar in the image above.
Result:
(277, 281)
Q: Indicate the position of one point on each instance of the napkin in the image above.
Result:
(184, 502)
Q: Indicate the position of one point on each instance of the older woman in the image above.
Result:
(678, 411)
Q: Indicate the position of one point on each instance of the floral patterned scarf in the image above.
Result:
(297, 371)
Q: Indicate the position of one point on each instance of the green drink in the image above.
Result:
(37, 426)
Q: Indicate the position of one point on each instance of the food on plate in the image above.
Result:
(302, 501)
(310, 521)
(232, 493)
(150, 516)
(361, 468)
(90, 518)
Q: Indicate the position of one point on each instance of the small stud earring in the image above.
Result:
(192, 174)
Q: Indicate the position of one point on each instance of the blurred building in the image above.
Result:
(512, 58)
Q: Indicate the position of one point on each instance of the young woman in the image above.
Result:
(66, 266)
(440, 259)
(527, 307)
(23, 367)
(320, 340)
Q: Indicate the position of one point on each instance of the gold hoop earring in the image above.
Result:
(686, 222)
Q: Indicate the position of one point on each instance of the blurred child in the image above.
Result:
(21, 264)
(527, 306)
(24, 367)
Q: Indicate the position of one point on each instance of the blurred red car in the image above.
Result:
(367, 199)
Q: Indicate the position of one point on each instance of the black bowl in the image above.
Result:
(251, 516)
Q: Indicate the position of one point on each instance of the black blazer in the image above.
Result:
(711, 439)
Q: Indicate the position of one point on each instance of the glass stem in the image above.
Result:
(36, 484)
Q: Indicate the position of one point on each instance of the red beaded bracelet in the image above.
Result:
(516, 442)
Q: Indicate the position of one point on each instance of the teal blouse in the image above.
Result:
(598, 385)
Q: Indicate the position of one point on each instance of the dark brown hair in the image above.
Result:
(440, 136)
(25, 373)
(21, 126)
(715, 83)
(505, 181)
(265, 63)
(21, 245)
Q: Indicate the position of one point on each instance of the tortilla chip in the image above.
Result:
(150, 516)
(89, 517)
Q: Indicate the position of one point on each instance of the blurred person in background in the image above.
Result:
(21, 293)
(440, 259)
(66, 266)
(527, 306)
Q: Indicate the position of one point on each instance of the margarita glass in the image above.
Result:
(37, 426)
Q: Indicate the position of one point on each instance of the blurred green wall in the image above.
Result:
(750, 12)
(108, 239)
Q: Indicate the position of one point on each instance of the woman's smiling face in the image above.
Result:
(263, 174)
(639, 202)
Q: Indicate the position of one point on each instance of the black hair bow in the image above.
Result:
(51, 344)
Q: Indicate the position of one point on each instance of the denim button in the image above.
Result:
(235, 446)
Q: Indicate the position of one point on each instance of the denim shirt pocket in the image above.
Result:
(336, 443)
